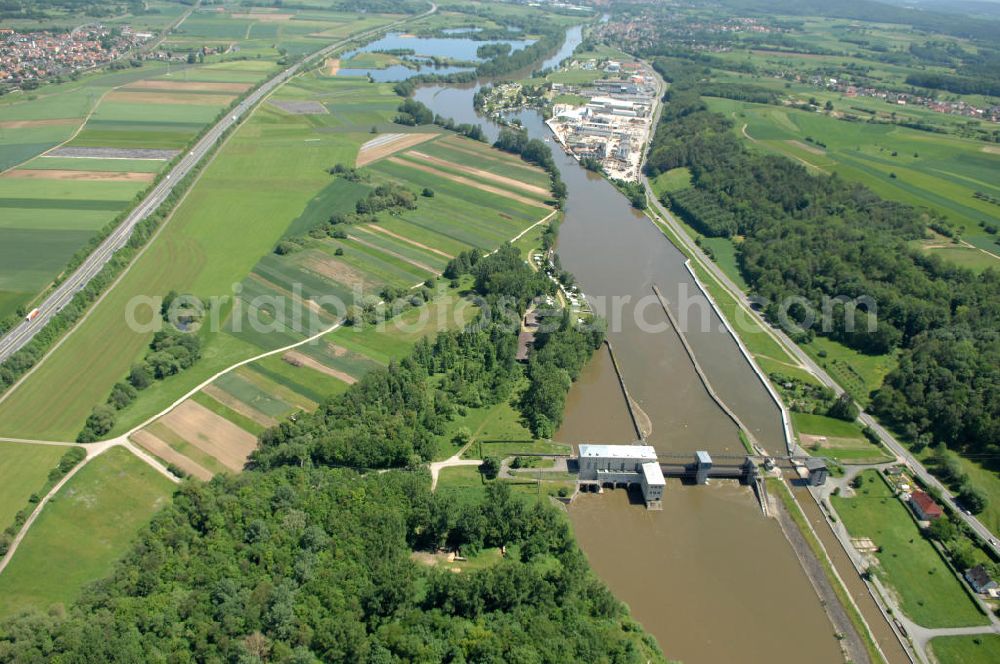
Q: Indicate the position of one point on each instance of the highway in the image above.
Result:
(23, 332)
(890, 441)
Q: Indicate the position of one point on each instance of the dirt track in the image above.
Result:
(234, 404)
(416, 264)
(263, 16)
(166, 97)
(25, 124)
(93, 176)
(187, 86)
(811, 149)
(376, 227)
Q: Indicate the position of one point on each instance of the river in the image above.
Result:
(709, 576)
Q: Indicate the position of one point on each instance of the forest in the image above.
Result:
(315, 564)
(818, 236)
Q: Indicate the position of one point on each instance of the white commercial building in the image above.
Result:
(624, 464)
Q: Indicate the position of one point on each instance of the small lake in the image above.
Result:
(456, 48)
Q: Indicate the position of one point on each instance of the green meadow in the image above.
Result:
(24, 470)
(977, 649)
(929, 592)
(836, 439)
(83, 530)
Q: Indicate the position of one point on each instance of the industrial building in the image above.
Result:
(624, 464)
(615, 122)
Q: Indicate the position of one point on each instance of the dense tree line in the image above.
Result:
(555, 362)
(387, 196)
(534, 151)
(957, 83)
(413, 113)
(315, 564)
(757, 94)
(817, 237)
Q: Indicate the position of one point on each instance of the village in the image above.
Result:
(26, 58)
(956, 107)
(613, 125)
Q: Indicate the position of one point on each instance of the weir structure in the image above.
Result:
(639, 465)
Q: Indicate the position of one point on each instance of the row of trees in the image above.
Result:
(387, 197)
(820, 237)
(413, 113)
(170, 352)
(534, 151)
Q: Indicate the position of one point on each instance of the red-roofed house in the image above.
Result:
(924, 506)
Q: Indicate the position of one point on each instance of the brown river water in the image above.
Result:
(709, 576)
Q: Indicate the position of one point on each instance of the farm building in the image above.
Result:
(980, 579)
(924, 506)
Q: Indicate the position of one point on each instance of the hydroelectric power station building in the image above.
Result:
(624, 464)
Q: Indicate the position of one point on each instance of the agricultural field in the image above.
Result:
(269, 178)
(82, 532)
(204, 433)
(929, 593)
(937, 171)
(267, 32)
(78, 156)
(24, 470)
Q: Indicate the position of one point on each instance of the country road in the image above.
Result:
(18, 336)
(803, 358)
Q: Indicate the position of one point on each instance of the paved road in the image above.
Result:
(21, 334)
(897, 448)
